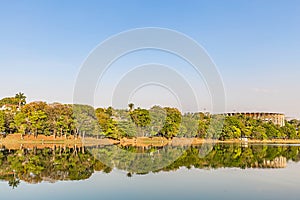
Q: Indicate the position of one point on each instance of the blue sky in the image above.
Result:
(255, 45)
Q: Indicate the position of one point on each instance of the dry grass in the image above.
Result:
(14, 141)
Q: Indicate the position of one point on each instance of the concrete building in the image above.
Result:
(276, 118)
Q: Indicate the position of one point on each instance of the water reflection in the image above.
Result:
(78, 163)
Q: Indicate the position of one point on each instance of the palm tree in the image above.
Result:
(14, 182)
(22, 99)
(131, 106)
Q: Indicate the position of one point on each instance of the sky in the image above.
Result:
(255, 46)
(204, 183)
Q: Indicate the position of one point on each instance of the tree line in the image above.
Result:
(66, 120)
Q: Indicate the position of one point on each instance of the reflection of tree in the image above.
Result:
(61, 163)
(47, 164)
(144, 160)
(137, 160)
(14, 181)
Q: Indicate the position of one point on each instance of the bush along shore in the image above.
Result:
(58, 122)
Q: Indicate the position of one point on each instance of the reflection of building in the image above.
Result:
(276, 118)
(278, 162)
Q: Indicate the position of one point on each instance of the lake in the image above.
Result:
(225, 171)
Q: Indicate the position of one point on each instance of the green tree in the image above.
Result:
(271, 130)
(289, 131)
(21, 99)
(172, 123)
(259, 132)
(158, 117)
(131, 106)
(2, 121)
(103, 119)
(38, 122)
(9, 101)
(141, 118)
(191, 122)
(233, 128)
(127, 129)
(85, 120)
(202, 127)
(9, 122)
(21, 123)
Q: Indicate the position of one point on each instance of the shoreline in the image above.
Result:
(14, 141)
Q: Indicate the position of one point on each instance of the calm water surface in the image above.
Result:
(226, 172)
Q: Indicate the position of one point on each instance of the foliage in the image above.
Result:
(21, 99)
(157, 120)
(9, 101)
(172, 123)
(36, 165)
(170, 158)
(82, 120)
(140, 117)
(85, 120)
(58, 163)
(2, 121)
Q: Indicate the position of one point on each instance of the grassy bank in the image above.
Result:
(14, 141)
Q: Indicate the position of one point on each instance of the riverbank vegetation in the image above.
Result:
(65, 120)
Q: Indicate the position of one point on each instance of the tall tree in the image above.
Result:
(36, 116)
(172, 123)
(85, 120)
(21, 99)
(141, 118)
(131, 106)
(158, 117)
(2, 121)
(38, 121)
(21, 123)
